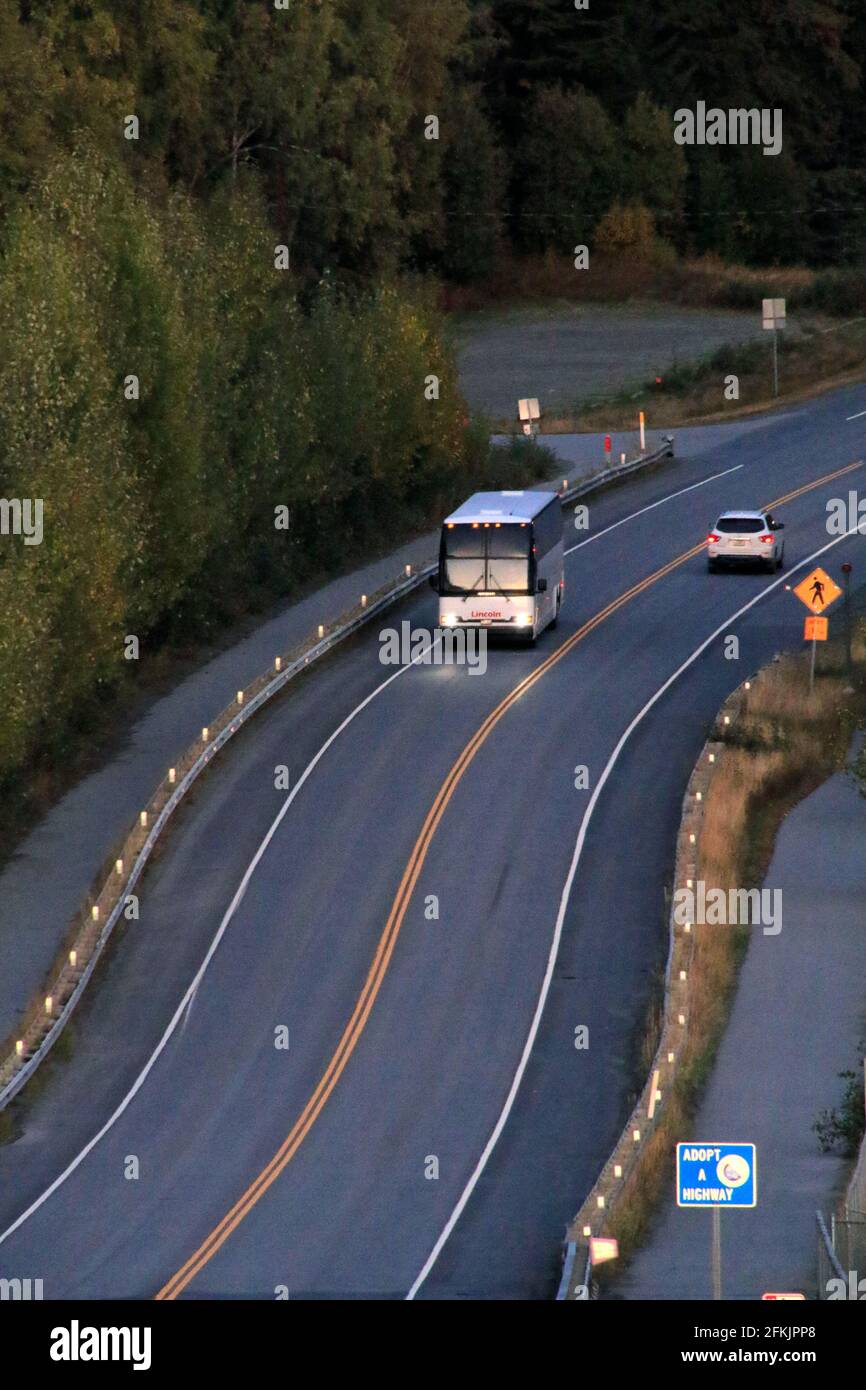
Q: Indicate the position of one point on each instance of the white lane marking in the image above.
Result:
(652, 505)
(857, 416)
(230, 911)
(563, 905)
(184, 1008)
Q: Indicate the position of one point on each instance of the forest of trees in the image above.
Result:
(305, 124)
(548, 116)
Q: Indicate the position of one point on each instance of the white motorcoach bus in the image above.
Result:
(500, 563)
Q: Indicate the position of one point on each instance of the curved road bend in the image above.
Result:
(321, 1151)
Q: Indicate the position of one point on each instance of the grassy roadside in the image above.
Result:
(784, 745)
(655, 272)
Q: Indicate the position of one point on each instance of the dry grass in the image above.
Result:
(656, 273)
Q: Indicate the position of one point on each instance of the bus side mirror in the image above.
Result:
(434, 583)
(542, 586)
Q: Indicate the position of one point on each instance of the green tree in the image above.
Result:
(146, 333)
(62, 442)
(568, 168)
(474, 185)
(655, 166)
(27, 94)
(344, 186)
(164, 50)
(93, 89)
(433, 39)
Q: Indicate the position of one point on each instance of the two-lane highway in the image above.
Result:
(405, 918)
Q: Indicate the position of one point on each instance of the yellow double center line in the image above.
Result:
(385, 948)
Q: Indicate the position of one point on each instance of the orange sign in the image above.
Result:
(817, 591)
(815, 629)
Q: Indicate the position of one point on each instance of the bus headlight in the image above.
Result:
(524, 619)
(448, 620)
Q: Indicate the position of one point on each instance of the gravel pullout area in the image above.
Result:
(565, 355)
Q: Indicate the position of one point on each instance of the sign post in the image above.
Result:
(817, 591)
(529, 414)
(815, 630)
(846, 570)
(717, 1176)
(774, 315)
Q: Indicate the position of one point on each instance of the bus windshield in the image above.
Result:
(491, 557)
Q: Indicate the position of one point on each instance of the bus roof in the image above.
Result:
(502, 506)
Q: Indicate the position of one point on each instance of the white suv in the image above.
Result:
(746, 538)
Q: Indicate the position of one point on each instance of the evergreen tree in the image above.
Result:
(569, 166)
(474, 189)
(655, 166)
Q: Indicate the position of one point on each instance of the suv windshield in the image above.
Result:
(740, 525)
(487, 556)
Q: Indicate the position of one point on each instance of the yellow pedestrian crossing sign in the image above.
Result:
(818, 591)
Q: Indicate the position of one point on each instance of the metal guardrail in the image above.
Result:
(90, 942)
(622, 470)
(105, 906)
(855, 1197)
(567, 1284)
(613, 1182)
(829, 1266)
(842, 1251)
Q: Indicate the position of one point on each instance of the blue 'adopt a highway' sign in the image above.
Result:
(716, 1175)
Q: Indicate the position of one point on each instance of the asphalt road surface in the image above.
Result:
(389, 1148)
